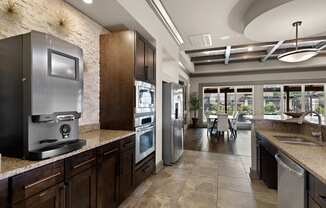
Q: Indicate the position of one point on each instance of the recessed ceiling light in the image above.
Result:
(250, 48)
(225, 37)
(88, 1)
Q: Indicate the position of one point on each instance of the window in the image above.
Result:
(315, 98)
(272, 100)
(210, 102)
(245, 101)
(293, 95)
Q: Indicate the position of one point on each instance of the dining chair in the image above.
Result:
(233, 124)
(222, 123)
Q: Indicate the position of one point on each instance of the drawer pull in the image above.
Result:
(322, 197)
(127, 143)
(84, 163)
(146, 168)
(41, 181)
(110, 152)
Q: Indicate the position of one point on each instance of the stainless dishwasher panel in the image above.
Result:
(291, 183)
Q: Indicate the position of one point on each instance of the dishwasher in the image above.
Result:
(291, 183)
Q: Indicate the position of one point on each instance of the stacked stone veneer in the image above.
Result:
(45, 16)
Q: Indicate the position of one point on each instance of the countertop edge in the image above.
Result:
(41, 163)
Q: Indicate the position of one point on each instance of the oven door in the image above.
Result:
(145, 142)
(145, 97)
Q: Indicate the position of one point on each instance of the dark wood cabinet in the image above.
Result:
(144, 169)
(150, 64)
(102, 177)
(53, 197)
(4, 193)
(317, 192)
(140, 64)
(108, 176)
(268, 163)
(81, 180)
(125, 57)
(127, 168)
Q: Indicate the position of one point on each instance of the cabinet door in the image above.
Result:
(140, 59)
(81, 190)
(150, 64)
(53, 197)
(4, 191)
(108, 178)
(127, 163)
(268, 168)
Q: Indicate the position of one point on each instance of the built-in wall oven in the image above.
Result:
(145, 97)
(145, 136)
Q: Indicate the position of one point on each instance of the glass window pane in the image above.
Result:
(231, 108)
(314, 99)
(272, 100)
(244, 101)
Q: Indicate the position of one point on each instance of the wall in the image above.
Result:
(44, 15)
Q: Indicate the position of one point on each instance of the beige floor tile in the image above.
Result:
(200, 184)
(197, 200)
(233, 199)
(234, 184)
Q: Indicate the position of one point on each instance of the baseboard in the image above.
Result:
(159, 166)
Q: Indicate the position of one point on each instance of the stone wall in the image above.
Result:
(60, 19)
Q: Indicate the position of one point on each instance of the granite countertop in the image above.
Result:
(311, 158)
(14, 166)
(289, 119)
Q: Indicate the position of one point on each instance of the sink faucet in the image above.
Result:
(317, 134)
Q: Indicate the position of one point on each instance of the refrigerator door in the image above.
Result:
(177, 121)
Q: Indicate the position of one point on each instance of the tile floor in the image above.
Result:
(203, 180)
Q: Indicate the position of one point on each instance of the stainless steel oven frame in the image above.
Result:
(140, 131)
(144, 108)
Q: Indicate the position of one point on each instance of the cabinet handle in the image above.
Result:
(110, 152)
(146, 168)
(127, 143)
(84, 163)
(41, 181)
(322, 198)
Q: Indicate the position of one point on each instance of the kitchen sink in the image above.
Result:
(296, 140)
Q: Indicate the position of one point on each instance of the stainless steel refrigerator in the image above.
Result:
(172, 123)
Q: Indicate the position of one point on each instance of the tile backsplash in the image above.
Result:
(63, 21)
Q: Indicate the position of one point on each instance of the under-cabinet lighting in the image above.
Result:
(161, 11)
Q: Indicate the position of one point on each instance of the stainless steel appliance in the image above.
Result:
(41, 92)
(145, 97)
(145, 136)
(291, 183)
(172, 123)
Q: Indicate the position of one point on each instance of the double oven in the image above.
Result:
(144, 120)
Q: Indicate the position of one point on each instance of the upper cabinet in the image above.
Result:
(125, 56)
(144, 60)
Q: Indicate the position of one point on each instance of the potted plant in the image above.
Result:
(195, 106)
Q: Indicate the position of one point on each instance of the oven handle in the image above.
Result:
(147, 128)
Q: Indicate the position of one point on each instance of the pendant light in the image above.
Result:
(297, 55)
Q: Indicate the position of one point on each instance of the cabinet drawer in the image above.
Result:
(80, 162)
(127, 143)
(53, 197)
(107, 150)
(35, 181)
(144, 169)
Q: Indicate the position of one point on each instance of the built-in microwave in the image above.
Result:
(145, 97)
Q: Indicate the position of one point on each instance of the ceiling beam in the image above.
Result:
(272, 50)
(227, 54)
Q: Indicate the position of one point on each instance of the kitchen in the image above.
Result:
(95, 109)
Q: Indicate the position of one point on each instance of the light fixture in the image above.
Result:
(165, 18)
(225, 37)
(297, 55)
(250, 49)
(88, 1)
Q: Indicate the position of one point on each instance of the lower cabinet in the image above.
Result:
(103, 177)
(316, 192)
(53, 197)
(127, 170)
(80, 180)
(108, 176)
